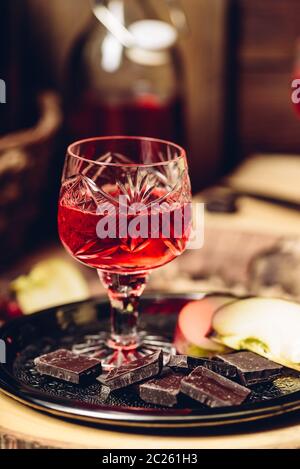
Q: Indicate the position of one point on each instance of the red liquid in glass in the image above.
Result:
(78, 233)
(145, 115)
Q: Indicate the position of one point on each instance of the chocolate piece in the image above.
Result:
(68, 366)
(134, 372)
(212, 389)
(162, 390)
(104, 394)
(252, 368)
(184, 362)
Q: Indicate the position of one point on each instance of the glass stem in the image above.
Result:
(124, 292)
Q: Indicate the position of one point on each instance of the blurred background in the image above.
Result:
(215, 76)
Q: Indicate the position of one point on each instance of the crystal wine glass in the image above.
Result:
(124, 209)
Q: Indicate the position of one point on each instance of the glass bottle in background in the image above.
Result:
(125, 75)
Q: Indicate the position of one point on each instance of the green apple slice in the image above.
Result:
(268, 327)
(50, 283)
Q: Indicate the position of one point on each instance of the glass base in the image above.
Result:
(111, 355)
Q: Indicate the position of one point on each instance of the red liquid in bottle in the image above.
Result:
(145, 115)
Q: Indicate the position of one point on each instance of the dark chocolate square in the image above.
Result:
(163, 390)
(252, 368)
(212, 389)
(185, 362)
(68, 366)
(134, 372)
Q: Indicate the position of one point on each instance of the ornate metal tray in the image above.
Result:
(62, 326)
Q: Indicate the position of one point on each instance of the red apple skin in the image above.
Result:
(195, 323)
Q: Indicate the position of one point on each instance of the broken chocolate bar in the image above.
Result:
(68, 366)
(252, 368)
(103, 394)
(212, 389)
(162, 390)
(185, 362)
(134, 372)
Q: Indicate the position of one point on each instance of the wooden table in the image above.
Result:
(23, 427)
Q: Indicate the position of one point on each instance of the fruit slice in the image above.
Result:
(51, 282)
(268, 327)
(195, 324)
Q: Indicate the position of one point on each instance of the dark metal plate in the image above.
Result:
(33, 335)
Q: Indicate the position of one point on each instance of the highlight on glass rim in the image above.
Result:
(149, 229)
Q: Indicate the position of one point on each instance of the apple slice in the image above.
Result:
(195, 324)
(268, 327)
(50, 283)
